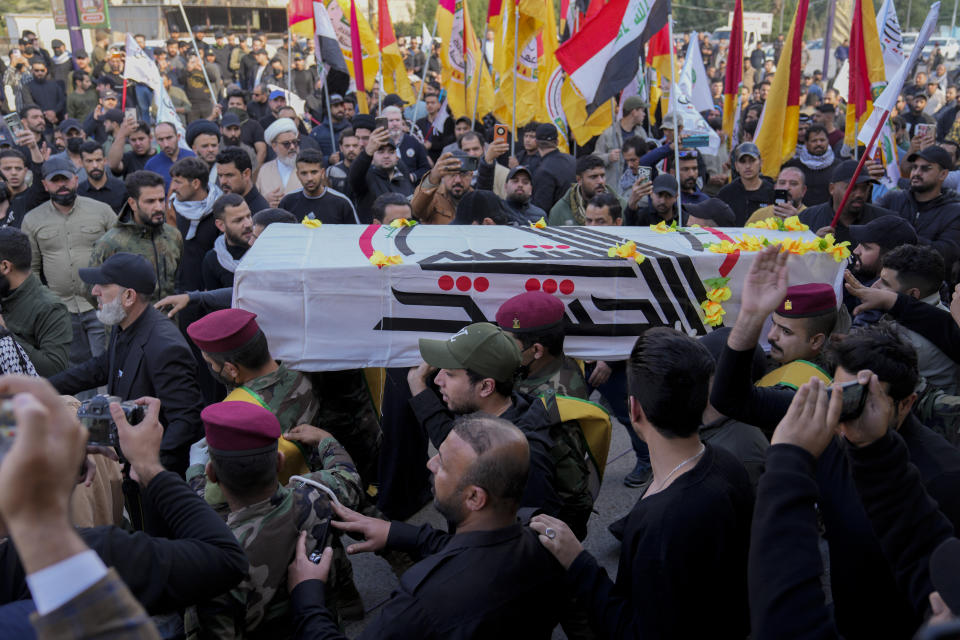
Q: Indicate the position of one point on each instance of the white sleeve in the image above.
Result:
(54, 586)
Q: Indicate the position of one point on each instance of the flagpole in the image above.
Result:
(426, 64)
(289, 56)
(856, 173)
(676, 117)
(203, 64)
(326, 95)
(483, 64)
(516, 46)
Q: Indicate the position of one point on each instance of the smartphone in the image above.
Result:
(854, 399)
(696, 140)
(922, 129)
(499, 133)
(131, 114)
(380, 123)
(14, 123)
(644, 173)
(469, 164)
(781, 196)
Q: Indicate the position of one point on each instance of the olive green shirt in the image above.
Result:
(62, 243)
(40, 323)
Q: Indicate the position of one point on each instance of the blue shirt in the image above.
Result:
(161, 163)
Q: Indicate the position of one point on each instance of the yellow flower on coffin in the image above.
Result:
(628, 250)
(793, 224)
(400, 223)
(840, 251)
(713, 312)
(751, 243)
(310, 223)
(724, 246)
(639, 257)
(719, 295)
(382, 260)
(770, 224)
(539, 224)
(661, 227)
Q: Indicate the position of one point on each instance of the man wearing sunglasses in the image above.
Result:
(279, 176)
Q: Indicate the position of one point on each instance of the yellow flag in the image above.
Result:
(575, 106)
(550, 81)
(867, 73)
(528, 15)
(395, 79)
(339, 11)
(461, 59)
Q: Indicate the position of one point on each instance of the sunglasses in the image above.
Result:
(692, 153)
(289, 144)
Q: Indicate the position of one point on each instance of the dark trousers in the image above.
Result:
(404, 477)
(615, 391)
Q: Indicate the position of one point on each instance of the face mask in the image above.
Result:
(74, 144)
(66, 199)
(219, 377)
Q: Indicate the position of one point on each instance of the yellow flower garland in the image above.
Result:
(382, 260)
(774, 223)
(628, 250)
(539, 224)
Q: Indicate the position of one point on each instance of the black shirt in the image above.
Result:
(330, 207)
(133, 162)
(194, 250)
(112, 193)
(744, 202)
(255, 200)
(214, 274)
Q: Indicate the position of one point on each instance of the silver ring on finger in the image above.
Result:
(550, 533)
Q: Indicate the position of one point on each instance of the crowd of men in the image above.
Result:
(797, 470)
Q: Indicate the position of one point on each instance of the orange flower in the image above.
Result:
(382, 260)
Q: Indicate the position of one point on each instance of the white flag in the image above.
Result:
(299, 104)
(888, 99)
(139, 68)
(426, 41)
(693, 80)
(888, 27)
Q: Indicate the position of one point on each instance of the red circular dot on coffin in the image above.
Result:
(529, 246)
(533, 284)
(481, 284)
(566, 287)
(463, 283)
(445, 283)
(563, 246)
(546, 246)
(549, 286)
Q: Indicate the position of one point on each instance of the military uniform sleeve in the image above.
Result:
(102, 250)
(54, 334)
(337, 471)
(559, 215)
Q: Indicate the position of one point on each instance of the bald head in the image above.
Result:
(502, 458)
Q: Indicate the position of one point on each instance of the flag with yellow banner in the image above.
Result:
(461, 59)
(522, 21)
(395, 79)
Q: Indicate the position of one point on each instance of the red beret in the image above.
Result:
(240, 427)
(223, 330)
(807, 300)
(530, 311)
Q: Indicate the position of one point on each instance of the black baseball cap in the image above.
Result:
(335, 98)
(665, 182)
(393, 100)
(69, 124)
(935, 154)
(887, 231)
(547, 132)
(128, 270)
(712, 209)
(230, 120)
(747, 149)
(845, 170)
(517, 169)
(58, 166)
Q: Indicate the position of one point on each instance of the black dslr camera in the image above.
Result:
(95, 416)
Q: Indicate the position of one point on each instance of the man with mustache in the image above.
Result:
(99, 185)
(858, 209)
(62, 233)
(591, 180)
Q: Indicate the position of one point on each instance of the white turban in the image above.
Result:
(281, 125)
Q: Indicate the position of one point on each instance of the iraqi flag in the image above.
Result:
(325, 43)
(604, 55)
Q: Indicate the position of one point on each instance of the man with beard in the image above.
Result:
(32, 118)
(170, 152)
(203, 136)
(933, 211)
(660, 205)
(279, 177)
(338, 176)
(791, 180)
(232, 217)
(519, 190)
(38, 319)
(858, 210)
(496, 174)
(83, 98)
(315, 201)
(123, 163)
(817, 161)
(99, 185)
(74, 138)
(46, 93)
(477, 368)
(234, 172)
(689, 175)
(610, 142)
(13, 169)
(231, 135)
(872, 241)
(251, 133)
(147, 356)
(275, 101)
(62, 233)
(478, 475)
(376, 171)
(412, 153)
(591, 180)
(143, 231)
(915, 114)
(191, 206)
(436, 198)
(750, 190)
(436, 134)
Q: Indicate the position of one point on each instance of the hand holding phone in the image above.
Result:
(499, 133)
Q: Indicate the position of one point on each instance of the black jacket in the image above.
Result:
(821, 215)
(414, 156)
(49, 95)
(190, 275)
(817, 181)
(157, 363)
(368, 182)
(552, 179)
(187, 554)
(481, 584)
(937, 222)
(744, 202)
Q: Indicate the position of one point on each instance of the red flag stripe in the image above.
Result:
(859, 90)
(385, 27)
(356, 49)
(796, 50)
(594, 35)
(734, 75)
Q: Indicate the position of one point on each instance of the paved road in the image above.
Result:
(376, 581)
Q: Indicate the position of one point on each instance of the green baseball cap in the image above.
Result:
(480, 347)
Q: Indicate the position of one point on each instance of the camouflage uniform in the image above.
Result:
(268, 531)
(563, 377)
(162, 247)
(289, 395)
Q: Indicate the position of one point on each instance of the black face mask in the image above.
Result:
(74, 144)
(219, 377)
(66, 199)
